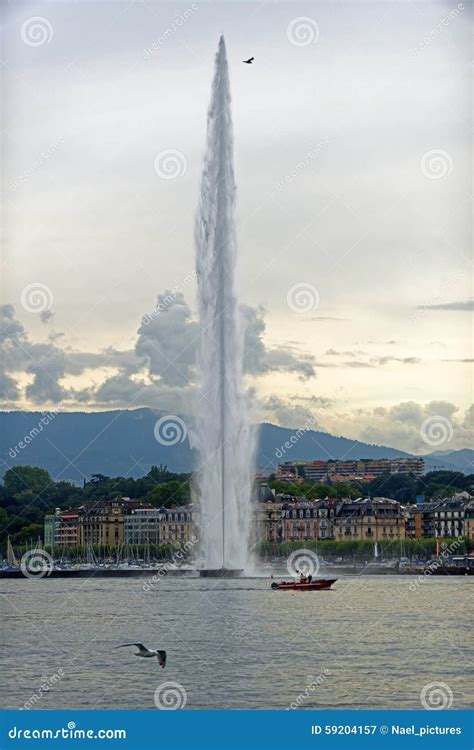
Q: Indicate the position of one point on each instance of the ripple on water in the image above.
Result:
(371, 642)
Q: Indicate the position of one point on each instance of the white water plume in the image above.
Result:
(223, 436)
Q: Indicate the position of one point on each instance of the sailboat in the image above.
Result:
(12, 562)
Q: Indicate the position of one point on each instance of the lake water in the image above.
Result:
(371, 642)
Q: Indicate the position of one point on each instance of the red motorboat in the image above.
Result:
(317, 585)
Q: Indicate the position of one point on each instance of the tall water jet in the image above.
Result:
(223, 437)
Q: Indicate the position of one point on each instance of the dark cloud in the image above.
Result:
(259, 360)
(403, 360)
(335, 353)
(46, 316)
(401, 425)
(167, 339)
(357, 363)
(460, 305)
(289, 414)
(159, 371)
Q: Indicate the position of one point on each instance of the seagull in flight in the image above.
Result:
(249, 61)
(147, 652)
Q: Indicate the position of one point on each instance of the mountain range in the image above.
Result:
(74, 445)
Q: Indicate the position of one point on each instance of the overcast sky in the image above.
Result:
(353, 161)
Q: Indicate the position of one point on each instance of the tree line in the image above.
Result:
(28, 493)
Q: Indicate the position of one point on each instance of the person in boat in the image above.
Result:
(310, 578)
(302, 578)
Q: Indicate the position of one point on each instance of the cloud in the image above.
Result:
(381, 361)
(354, 353)
(456, 306)
(400, 426)
(167, 339)
(46, 316)
(288, 414)
(284, 360)
(357, 363)
(258, 360)
(403, 360)
(159, 370)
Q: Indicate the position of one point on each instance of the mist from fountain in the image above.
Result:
(222, 435)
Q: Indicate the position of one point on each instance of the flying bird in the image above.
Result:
(147, 652)
(249, 61)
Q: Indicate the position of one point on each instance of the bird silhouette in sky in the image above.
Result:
(147, 652)
(249, 61)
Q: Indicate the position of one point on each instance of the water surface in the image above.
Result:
(371, 642)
